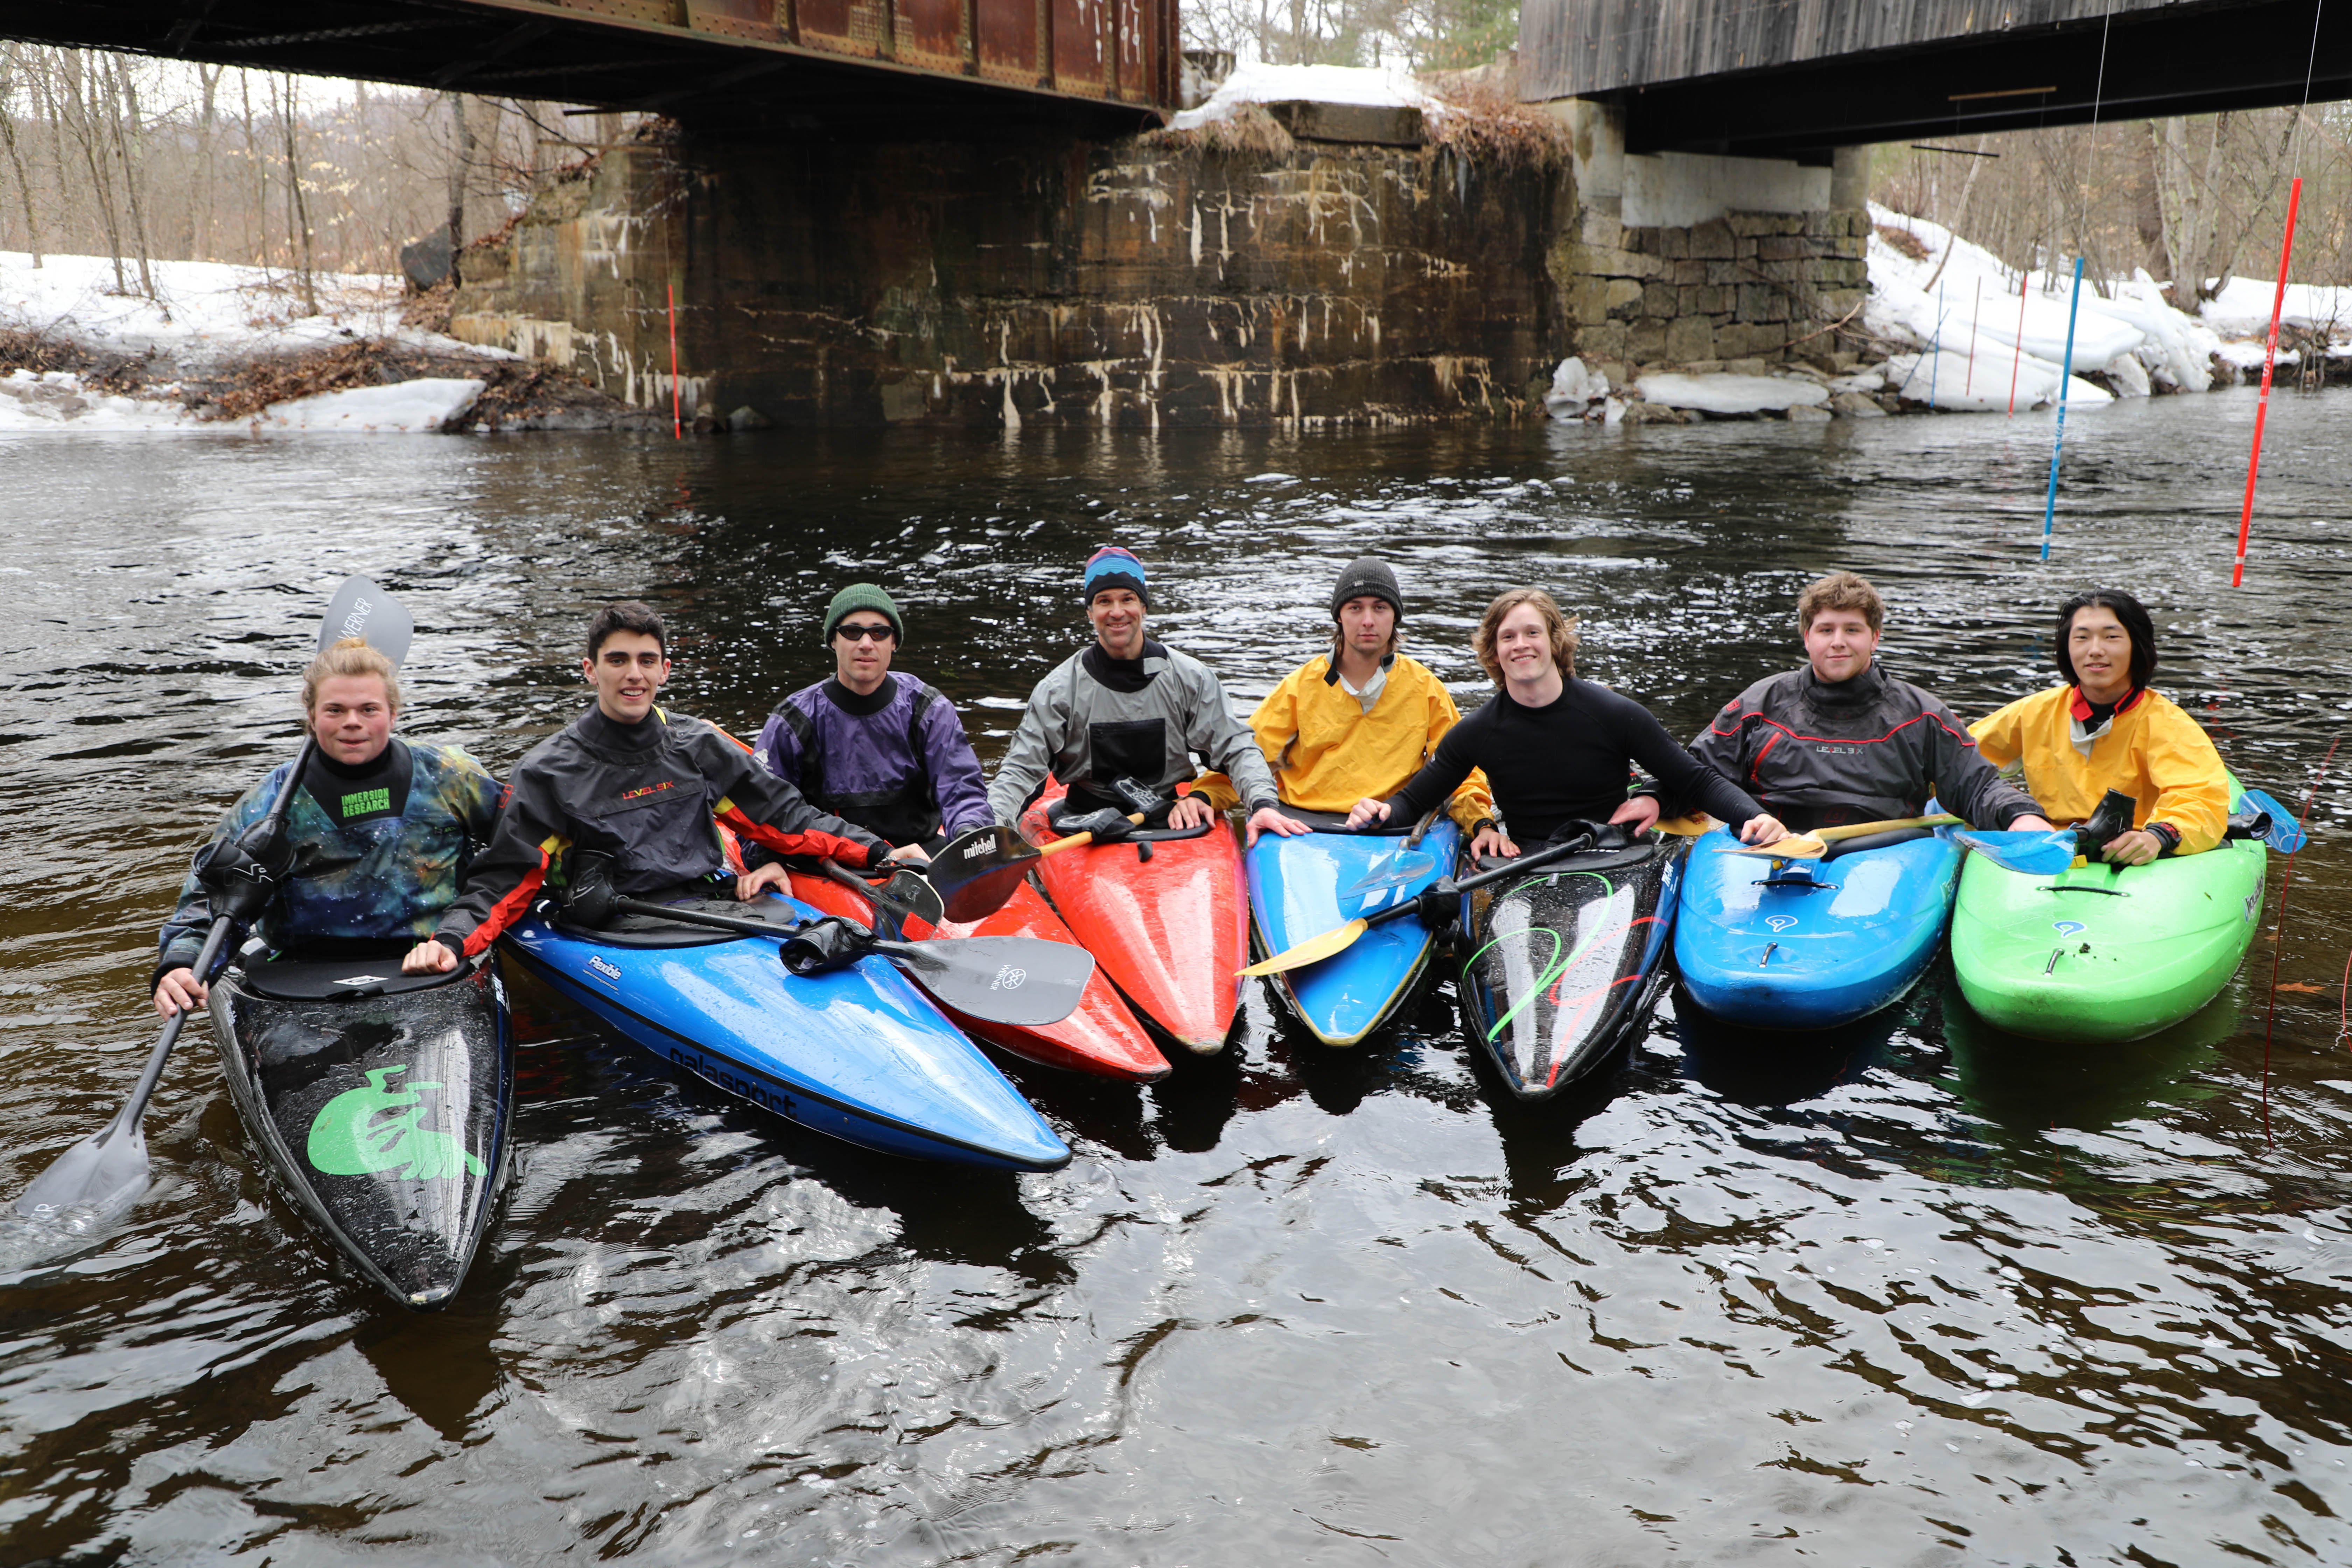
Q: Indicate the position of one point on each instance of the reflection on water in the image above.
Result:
(1911, 1292)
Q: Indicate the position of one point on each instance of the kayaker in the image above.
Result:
(1126, 707)
(872, 746)
(1556, 749)
(627, 781)
(2104, 729)
(1360, 720)
(383, 829)
(1841, 740)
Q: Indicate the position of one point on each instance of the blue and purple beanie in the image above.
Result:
(1112, 567)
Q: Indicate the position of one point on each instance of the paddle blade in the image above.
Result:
(360, 609)
(920, 899)
(979, 870)
(2286, 835)
(1400, 870)
(1314, 950)
(1686, 826)
(1023, 981)
(95, 1180)
(2033, 854)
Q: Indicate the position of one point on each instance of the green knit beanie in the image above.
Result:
(863, 596)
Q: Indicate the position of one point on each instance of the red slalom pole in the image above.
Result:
(2017, 350)
(2261, 409)
(677, 419)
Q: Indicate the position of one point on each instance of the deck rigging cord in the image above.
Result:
(2278, 303)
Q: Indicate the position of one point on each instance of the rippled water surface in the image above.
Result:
(1914, 1294)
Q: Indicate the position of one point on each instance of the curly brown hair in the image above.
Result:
(1562, 627)
(1840, 591)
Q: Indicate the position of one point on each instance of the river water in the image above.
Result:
(1916, 1294)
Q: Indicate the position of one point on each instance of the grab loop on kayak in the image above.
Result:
(1803, 882)
(2085, 888)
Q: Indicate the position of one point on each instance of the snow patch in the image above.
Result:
(403, 408)
(1573, 388)
(1720, 392)
(1382, 87)
(2242, 308)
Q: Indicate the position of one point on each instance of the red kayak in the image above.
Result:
(1171, 932)
(1102, 1036)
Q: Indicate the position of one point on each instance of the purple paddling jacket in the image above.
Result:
(897, 764)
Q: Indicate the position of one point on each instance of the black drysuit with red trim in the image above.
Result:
(646, 795)
(1819, 752)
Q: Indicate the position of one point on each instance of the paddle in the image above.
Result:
(1408, 865)
(108, 1170)
(2033, 854)
(1809, 846)
(1023, 981)
(978, 872)
(2285, 834)
(905, 896)
(1338, 940)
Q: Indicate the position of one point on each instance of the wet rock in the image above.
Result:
(1856, 406)
(748, 418)
(1806, 413)
(426, 262)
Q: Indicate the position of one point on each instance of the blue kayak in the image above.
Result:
(1810, 944)
(858, 1053)
(1298, 888)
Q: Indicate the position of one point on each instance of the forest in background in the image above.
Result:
(141, 160)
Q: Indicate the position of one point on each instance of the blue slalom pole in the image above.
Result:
(1936, 352)
(2066, 373)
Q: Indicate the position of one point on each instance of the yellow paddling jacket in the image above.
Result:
(2151, 750)
(1328, 753)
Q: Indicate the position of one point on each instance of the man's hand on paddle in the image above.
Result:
(1266, 819)
(909, 855)
(179, 990)
(1765, 829)
(429, 957)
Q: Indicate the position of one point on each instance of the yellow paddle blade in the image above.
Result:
(1809, 846)
(1796, 847)
(1689, 826)
(1314, 950)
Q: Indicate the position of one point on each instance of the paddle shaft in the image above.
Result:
(1519, 867)
(880, 898)
(215, 939)
(906, 951)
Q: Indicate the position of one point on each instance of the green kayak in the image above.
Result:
(2105, 953)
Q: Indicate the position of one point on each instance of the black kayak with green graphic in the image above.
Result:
(381, 1100)
(1562, 967)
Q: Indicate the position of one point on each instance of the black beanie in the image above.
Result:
(1364, 576)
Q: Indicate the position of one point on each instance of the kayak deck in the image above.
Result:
(1102, 1037)
(1810, 944)
(1172, 931)
(1298, 888)
(382, 1103)
(858, 1053)
(2105, 953)
(1566, 964)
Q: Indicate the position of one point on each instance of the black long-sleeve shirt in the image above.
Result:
(1567, 760)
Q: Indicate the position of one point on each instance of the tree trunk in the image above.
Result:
(199, 228)
(122, 108)
(298, 216)
(460, 168)
(10, 65)
(101, 186)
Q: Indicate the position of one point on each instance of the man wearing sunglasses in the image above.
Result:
(881, 750)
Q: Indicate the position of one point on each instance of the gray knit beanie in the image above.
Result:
(1367, 576)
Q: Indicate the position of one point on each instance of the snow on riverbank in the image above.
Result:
(209, 318)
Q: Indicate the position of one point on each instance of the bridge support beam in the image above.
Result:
(1689, 258)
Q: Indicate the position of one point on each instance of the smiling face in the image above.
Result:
(2101, 650)
(1523, 647)
(628, 669)
(1118, 617)
(862, 646)
(351, 718)
(1840, 643)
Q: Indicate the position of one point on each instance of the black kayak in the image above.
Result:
(381, 1102)
(1565, 963)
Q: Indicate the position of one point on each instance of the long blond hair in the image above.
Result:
(350, 657)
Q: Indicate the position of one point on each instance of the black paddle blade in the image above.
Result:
(916, 896)
(360, 609)
(95, 1180)
(1023, 981)
(974, 875)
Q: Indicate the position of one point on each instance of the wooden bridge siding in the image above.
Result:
(1573, 48)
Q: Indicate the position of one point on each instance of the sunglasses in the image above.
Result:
(863, 631)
